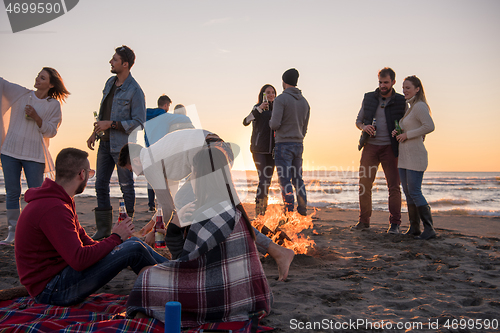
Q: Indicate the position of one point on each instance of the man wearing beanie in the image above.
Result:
(289, 120)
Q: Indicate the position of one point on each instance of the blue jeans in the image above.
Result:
(106, 162)
(411, 181)
(265, 168)
(12, 177)
(288, 159)
(72, 287)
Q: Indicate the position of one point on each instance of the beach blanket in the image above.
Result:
(99, 313)
(225, 282)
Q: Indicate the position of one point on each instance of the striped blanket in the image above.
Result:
(218, 279)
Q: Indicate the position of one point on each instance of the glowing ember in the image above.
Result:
(285, 230)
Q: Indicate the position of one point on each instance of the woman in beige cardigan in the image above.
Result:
(412, 161)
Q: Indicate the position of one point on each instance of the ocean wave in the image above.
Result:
(449, 202)
(475, 212)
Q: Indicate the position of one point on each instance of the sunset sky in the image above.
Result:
(216, 55)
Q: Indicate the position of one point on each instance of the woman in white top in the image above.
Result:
(412, 160)
(32, 118)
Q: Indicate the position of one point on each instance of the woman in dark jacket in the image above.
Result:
(262, 144)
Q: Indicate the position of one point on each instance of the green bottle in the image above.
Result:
(96, 118)
(398, 128)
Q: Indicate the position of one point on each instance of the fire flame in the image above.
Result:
(285, 229)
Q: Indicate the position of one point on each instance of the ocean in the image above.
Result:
(464, 193)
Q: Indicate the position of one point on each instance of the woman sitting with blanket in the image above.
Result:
(218, 276)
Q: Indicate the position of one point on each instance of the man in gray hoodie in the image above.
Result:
(289, 120)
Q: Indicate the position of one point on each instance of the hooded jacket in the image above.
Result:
(49, 238)
(290, 116)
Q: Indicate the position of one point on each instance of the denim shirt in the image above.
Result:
(129, 107)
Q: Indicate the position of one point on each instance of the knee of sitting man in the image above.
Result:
(133, 244)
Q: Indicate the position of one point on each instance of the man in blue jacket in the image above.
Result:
(162, 124)
(123, 108)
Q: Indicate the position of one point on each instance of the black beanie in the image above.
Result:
(291, 77)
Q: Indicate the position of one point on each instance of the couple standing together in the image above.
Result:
(278, 131)
(402, 153)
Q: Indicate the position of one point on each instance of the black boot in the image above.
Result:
(425, 215)
(414, 217)
(103, 222)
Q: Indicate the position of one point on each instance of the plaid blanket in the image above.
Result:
(224, 281)
(99, 313)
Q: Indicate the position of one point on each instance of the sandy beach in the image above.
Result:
(363, 281)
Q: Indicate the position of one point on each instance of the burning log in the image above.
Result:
(285, 230)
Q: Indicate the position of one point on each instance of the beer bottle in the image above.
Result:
(265, 100)
(159, 237)
(398, 128)
(374, 124)
(122, 211)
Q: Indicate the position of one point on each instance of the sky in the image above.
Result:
(216, 55)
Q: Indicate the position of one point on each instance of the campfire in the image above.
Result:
(286, 230)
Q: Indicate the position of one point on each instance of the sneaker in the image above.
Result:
(394, 229)
(360, 226)
(152, 209)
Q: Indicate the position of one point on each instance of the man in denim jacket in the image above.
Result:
(123, 108)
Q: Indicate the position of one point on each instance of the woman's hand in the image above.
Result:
(185, 214)
(401, 137)
(31, 112)
(264, 106)
(394, 133)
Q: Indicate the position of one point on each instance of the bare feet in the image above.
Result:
(283, 258)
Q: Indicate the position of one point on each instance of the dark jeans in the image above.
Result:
(288, 159)
(371, 157)
(106, 162)
(151, 197)
(265, 169)
(72, 287)
(411, 182)
(12, 167)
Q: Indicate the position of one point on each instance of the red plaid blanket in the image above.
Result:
(99, 313)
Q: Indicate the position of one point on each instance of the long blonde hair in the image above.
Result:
(420, 96)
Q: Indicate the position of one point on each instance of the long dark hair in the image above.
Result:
(58, 91)
(213, 181)
(261, 93)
